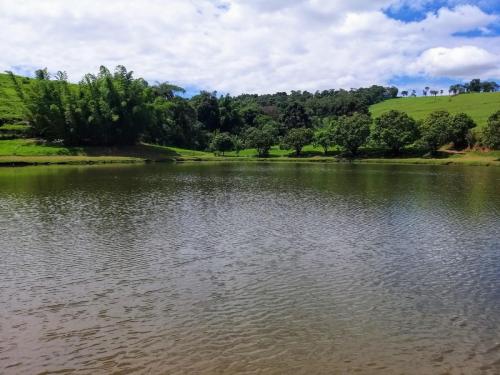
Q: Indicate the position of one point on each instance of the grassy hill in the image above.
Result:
(478, 106)
(10, 104)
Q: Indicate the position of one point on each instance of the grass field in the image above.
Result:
(29, 152)
(10, 104)
(478, 106)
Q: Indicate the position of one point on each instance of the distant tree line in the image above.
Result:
(475, 85)
(114, 108)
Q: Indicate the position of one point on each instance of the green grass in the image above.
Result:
(10, 104)
(478, 106)
(30, 151)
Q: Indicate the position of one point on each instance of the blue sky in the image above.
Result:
(259, 46)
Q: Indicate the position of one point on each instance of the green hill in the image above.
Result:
(478, 106)
(10, 104)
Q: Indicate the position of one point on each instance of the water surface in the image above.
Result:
(250, 268)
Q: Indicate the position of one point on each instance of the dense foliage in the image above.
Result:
(395, 130)
(491, 133)
(351, 132)
(118, 109)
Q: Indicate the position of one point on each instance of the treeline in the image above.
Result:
(117, 109)
(394, 131)
(114, 108)
(475, 85)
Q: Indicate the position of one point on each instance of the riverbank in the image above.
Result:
(22, 152)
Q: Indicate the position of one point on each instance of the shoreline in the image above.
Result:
(21, 161)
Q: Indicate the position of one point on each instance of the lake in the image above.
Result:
(246, 268)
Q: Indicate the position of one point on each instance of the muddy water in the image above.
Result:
(250, 268)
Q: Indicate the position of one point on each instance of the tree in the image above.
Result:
(222, 142)
(167, 90)
(297, 138)
(434, 130)
(459, 130)
(475, 85)
(434, 92)
(230, 119)
(489, 86)
(261, 139)
(404, 93)
(238, 144)
(295, 116)
(207, 107)
(323, 138)
(351, 132)
(103, 109)
(394, 130)
(491, 132)
(391, 92)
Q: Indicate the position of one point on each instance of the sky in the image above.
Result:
(258, 46)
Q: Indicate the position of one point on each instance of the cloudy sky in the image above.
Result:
(258, 46)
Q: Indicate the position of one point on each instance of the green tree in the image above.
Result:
(351, 132)
(491, 132)
(222, 142)
(230, 119)
(434, 130)
(323, 138)
(460, 127)
(207, 107)
(395, 130)
(297, 138)
(261, 139)
(238, 144)
(295, 116)
(475, 85)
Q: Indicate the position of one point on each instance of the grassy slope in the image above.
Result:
(10, 105)
(478, 106)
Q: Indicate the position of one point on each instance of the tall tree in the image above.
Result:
(207, 107)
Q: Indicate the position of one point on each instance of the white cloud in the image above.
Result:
(465, 62)
(245, 45)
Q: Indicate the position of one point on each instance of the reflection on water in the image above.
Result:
(256, 268)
